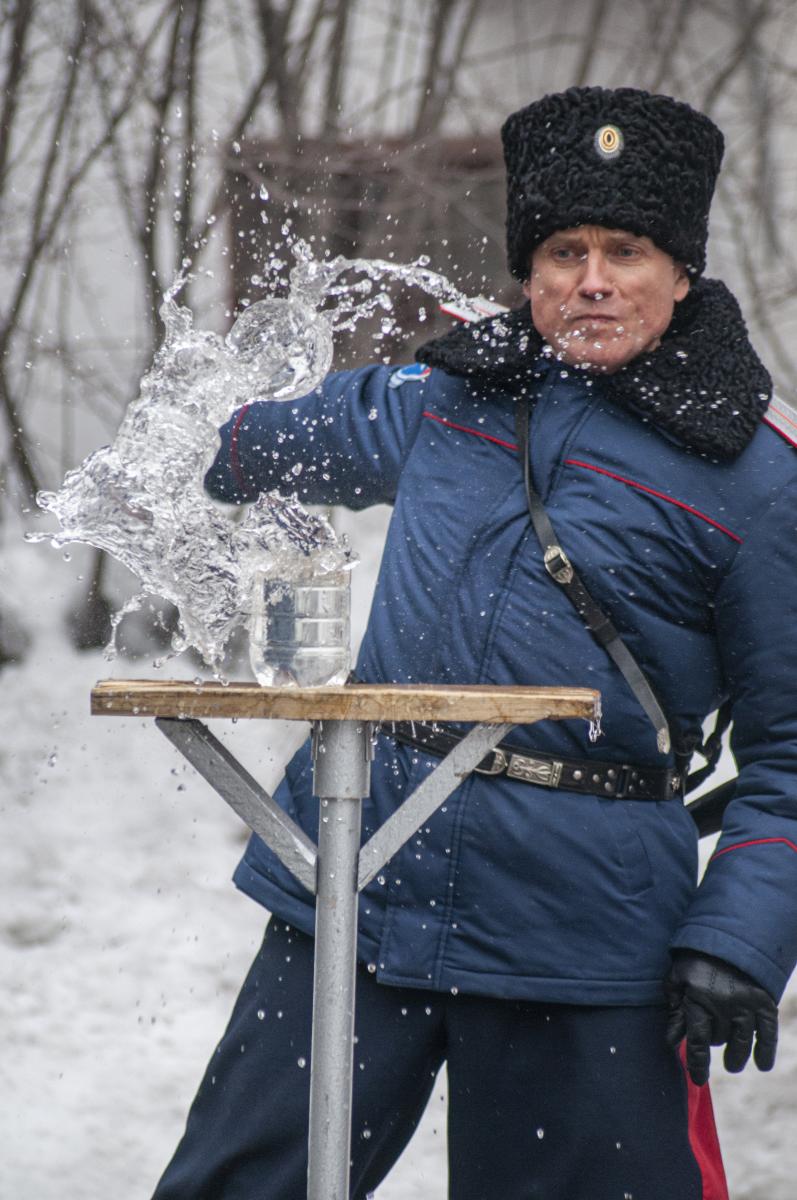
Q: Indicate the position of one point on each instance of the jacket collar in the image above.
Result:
(704, 384)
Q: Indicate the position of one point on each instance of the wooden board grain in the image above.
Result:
(353, 702)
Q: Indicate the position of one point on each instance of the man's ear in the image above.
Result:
(682, 283)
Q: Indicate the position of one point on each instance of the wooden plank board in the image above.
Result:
(354, 702)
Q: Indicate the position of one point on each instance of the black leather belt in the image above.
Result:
(616, 781)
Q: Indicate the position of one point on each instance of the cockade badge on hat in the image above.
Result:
(609, 141)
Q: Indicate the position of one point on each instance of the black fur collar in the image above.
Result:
(704, 384)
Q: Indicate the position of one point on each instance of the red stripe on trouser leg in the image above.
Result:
(703, 1137)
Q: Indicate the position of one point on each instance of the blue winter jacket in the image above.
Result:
(676, 499)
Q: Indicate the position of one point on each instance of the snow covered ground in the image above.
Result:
(123, 943)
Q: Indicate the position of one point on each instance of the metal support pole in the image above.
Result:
(244, 795)
(341, 761)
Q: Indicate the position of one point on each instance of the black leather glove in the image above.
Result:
(713, 1003)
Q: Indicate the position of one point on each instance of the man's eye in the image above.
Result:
(628, 251)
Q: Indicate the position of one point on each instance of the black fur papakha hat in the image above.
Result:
(621, 158)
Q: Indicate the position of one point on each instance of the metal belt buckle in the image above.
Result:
(535, 770)
(496, 766)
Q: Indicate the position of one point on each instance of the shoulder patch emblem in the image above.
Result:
(782, 417)
(414, 373)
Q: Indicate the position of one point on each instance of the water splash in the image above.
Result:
(141, 499)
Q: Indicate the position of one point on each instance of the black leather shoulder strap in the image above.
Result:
(562, 571)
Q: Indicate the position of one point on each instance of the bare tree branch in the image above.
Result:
(669, 45)
(190, 76)
(754, 19)
(337, 59)
(20, 454)
(590, 38)
(220, 200)
(14, 75)
(274, 24)
(442, 67)
(442, 12)
(63, 111)
(758, 289)
(151, 184)
(762, 123)
(59, 205)
(300, 49)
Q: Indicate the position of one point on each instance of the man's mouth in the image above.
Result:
(595, 318)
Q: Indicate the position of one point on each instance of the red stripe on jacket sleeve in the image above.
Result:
(643, 487)
(773, 841)
(488, 437)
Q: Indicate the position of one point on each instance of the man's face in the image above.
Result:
(602, 296)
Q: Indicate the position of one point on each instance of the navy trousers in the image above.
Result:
(545, 1101)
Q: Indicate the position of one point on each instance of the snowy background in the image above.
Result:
(123, 942)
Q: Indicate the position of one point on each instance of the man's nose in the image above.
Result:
(595, 281)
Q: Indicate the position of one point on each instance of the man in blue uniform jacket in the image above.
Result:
(549, 943)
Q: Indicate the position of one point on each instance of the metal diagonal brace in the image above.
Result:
(427, 797)
(245, 796)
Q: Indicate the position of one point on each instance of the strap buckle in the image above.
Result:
(557, 564)
(496, 767)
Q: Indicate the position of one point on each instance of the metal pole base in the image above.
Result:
(341, 780)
